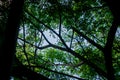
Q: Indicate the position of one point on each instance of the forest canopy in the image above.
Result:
(65, 40)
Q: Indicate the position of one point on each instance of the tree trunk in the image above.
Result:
(8, 46)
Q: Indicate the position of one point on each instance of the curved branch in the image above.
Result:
(43, 47)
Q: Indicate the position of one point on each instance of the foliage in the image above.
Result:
(64, 39)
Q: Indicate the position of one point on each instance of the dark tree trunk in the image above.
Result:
(7, 48)
(114, 7)
(108, 51)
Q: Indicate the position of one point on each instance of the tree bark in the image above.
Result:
(114, 7)
(8, 46)
(108, 51)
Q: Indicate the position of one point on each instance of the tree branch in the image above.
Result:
(88, 39)
(67, 49)
(97, 69)
(71, 38)
(27, 73)
(108, 51)
(39, 30)
(114, 7)
(58, 72)
(37, 45)
(92, 65)
(60, 24)
(43, 47)
(60, 37)
(24, 45)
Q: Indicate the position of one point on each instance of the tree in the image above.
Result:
(9, 37)
(68, 40)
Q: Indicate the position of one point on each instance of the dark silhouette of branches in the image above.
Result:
(60, 37)
(72, 38)
(108, 51)
(114, 7)
(21, 71)
(88, 39)
(97, 69)
(60, 73)
(43, 47)
(24, 45)
(10, 38)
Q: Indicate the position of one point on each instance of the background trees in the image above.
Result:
(69, 39)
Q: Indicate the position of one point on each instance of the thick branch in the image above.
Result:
(58, 72)
(114, 7)
(43, 47)
(88, 39)
(92, 65)
(108, 51)
(21, 71)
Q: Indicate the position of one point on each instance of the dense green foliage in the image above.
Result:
(48, 41)
(64, 39)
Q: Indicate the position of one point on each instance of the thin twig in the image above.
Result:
(24, 45)
(60, 24)
(72, 38)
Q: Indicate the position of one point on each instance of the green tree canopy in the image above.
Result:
(67, 40)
